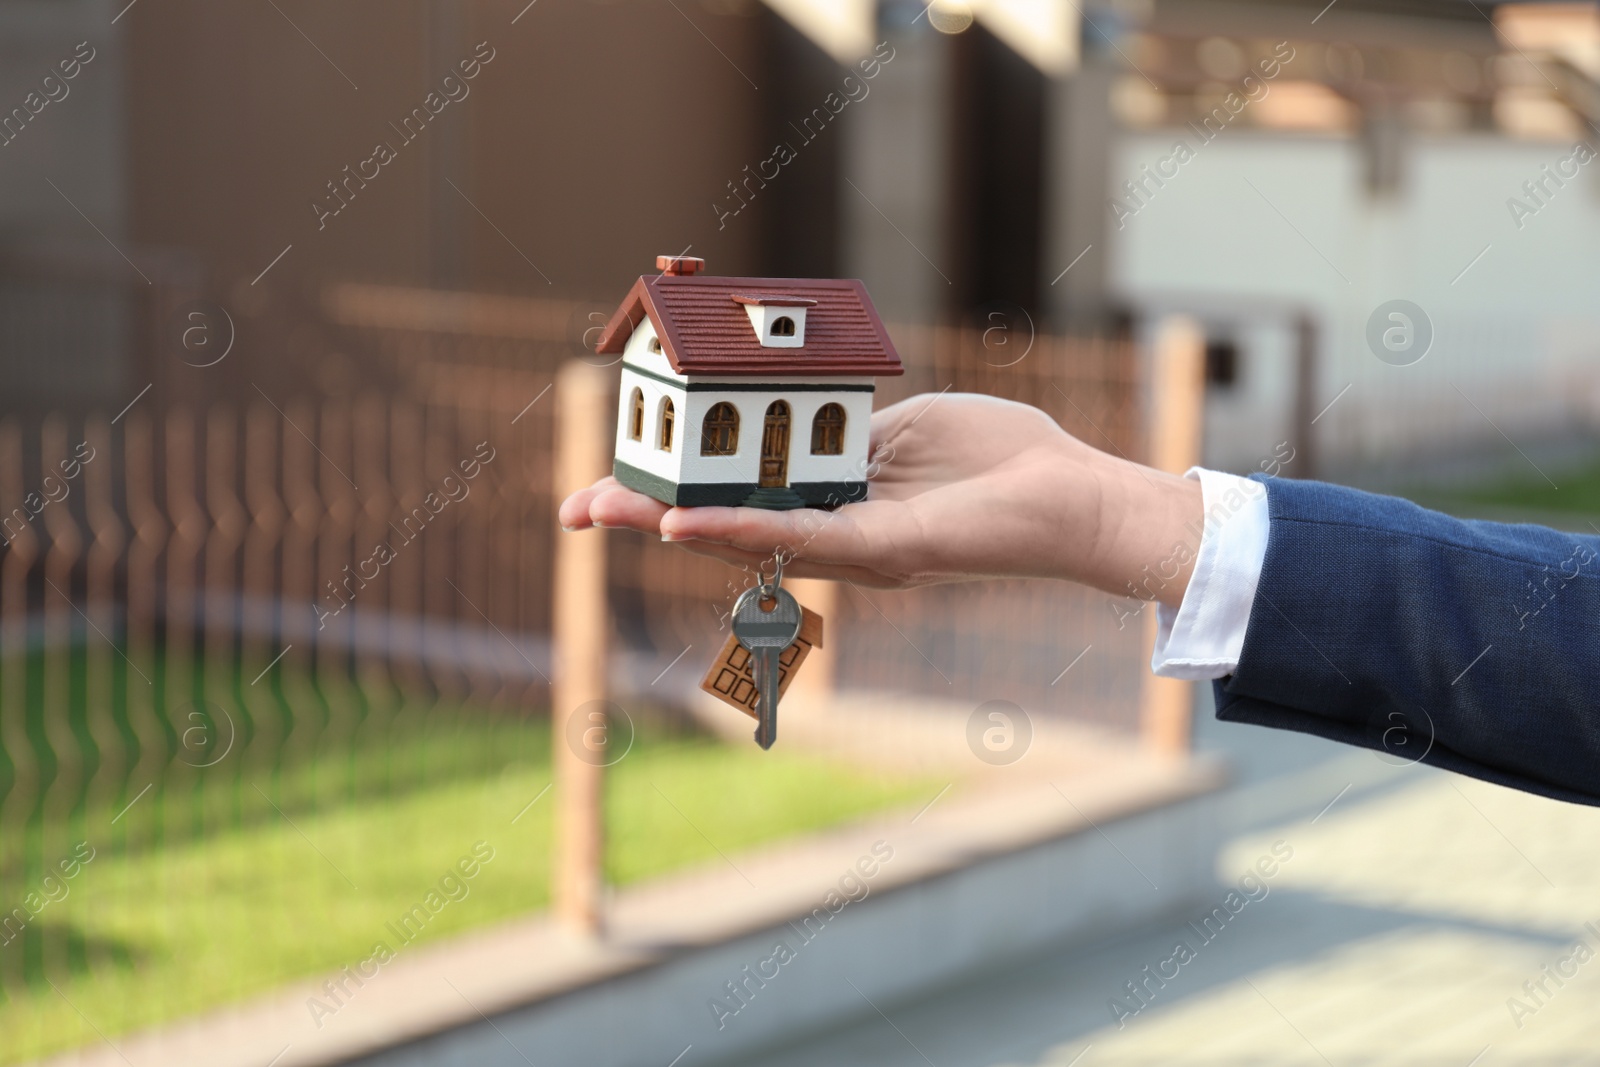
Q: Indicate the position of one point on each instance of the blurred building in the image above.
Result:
(1412, 151)
(216, 167)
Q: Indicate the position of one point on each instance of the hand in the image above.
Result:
(962, 486)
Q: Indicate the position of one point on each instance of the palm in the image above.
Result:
(962, 486)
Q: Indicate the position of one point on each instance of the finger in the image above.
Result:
(619, 506)
(891, 422)
(574, 511)
(800, 568)
(887, 422)
(737, 557)
(820, 536)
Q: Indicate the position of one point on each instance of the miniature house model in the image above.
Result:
(745, 391)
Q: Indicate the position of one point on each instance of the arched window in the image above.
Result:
(665, 441)
(636, 415)
(827, 431)
(654, 346)
(783, 326)
(719, 433)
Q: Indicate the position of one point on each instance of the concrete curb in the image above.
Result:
(870, 913)
(947, 912)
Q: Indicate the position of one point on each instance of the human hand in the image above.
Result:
(962, 486)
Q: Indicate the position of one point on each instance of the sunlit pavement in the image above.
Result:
(1402, 929)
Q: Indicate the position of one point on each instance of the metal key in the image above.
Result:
(766, 634)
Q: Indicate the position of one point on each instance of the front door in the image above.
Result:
(775, 446)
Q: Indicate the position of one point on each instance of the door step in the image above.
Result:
(775, 498)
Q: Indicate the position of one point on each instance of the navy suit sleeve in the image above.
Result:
(1472, 646)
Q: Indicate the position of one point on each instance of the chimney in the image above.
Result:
(680, 266)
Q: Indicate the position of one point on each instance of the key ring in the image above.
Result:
(770, 589)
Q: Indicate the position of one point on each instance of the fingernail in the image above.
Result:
(670, 537)
(597, 524)
(569, 529)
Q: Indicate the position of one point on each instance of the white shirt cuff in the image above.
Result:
(1204, 637)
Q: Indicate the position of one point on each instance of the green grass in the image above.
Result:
(206, 891)
(1576, 491)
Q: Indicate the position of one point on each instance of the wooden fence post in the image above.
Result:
(1305, 395)
(815, 685)
(582, 634)
(1177, 407)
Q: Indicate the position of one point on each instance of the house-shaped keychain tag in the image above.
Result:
(746, 391)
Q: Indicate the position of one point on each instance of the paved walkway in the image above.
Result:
(1411, 911)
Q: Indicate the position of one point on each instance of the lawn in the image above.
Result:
(301, 850)
(1576, 491)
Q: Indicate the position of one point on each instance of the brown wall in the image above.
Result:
(613, 129)
(597, 137)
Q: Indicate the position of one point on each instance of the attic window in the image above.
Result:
(654, 346)
(778, 319)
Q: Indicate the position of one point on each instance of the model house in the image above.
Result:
(746, 391)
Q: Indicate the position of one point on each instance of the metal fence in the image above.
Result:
(978, 641)
(217, 619)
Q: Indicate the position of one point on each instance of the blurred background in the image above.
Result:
(277, 275)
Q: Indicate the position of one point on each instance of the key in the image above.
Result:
(766, 634)
(731, 677)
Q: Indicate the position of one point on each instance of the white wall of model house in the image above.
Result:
(684, 465)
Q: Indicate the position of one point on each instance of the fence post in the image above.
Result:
(815, 685)
(582, 633)
(1305, 394)
(1177, 405)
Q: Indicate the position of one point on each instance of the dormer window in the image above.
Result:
(779, 321)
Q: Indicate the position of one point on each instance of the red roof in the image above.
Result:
(704, 328)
